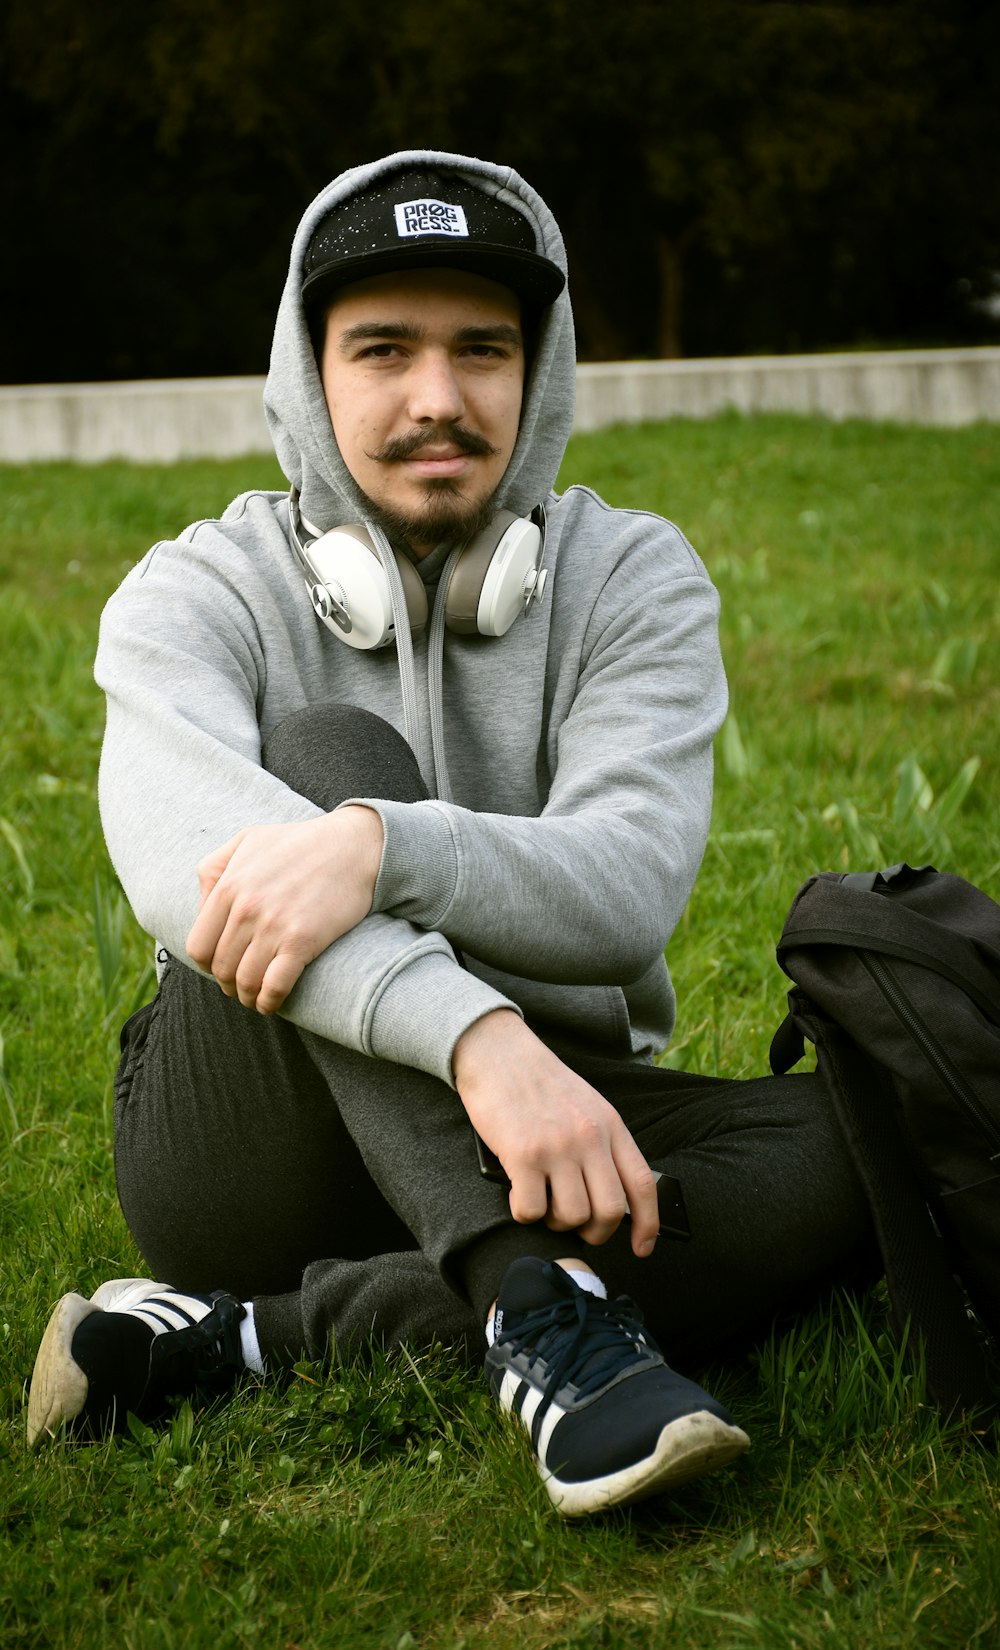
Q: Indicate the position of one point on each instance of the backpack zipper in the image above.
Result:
(936, 1056)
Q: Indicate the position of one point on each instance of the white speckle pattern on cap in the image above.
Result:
(361, 237)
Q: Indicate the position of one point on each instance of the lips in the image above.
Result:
(431, 463)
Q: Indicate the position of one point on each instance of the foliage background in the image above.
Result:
(732, 175)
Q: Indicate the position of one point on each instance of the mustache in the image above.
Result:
(399, 447)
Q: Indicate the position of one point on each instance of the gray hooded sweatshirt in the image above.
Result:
(561, 852)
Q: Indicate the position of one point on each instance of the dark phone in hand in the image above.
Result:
(674, 1222)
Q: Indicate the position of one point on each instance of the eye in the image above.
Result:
(487, 352)
(378, 352)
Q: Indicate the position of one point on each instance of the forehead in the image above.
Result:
(436, 297)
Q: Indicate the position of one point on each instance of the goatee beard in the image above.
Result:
(446, 517)
(446, 514)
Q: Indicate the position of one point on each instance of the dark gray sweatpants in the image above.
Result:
(342, 1193)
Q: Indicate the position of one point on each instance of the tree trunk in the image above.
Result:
(671, 273)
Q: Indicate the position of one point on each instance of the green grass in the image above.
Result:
(857, 566)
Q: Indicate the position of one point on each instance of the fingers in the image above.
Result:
(571, 1160)
(263, 977)
(593, 1203)
(225, 935)
(247, 962)
(590, 1201)
(269, 904)
(210, 869)
(640, 1189)
(590, 1191)
(529, 1196)
(203, 940)
(608, 1180)
(280, 976)
(240, 943)
(566, 1204)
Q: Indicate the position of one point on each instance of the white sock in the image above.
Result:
(249, 1344)
(587, 1280)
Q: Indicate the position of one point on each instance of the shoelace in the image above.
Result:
(204, 1353)
(600, 1338)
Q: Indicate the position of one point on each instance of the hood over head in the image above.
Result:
(293, 396)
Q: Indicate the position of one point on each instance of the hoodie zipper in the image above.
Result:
(936, 1056)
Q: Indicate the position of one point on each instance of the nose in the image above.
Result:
(435, 392)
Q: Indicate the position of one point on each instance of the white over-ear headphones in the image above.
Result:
(498, 575)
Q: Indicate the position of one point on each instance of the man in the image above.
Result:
(465, 927)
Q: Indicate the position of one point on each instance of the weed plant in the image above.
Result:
(380, 1505)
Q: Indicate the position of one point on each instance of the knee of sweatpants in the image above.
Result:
(329, 752)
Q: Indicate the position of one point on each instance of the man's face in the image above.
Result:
(423, 374)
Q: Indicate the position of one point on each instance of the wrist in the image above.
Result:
(484, 1042)
(368, 840)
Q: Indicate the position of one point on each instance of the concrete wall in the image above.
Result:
(222, 417)
(913, 386)
(151, 421)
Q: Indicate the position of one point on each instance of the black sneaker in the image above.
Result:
(132, 1346)
(609, 1422)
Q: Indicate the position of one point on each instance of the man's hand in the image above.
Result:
(275, 896)
(569, 1157)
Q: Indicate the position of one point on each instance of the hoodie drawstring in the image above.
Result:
(435, 678)
(404, 642)
(437, 782)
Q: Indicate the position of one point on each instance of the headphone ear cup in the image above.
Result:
(493, 576)
(465, 587)
(351, 578)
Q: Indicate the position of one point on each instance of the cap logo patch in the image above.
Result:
(429, 217)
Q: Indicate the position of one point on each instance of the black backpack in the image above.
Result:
(897, 983)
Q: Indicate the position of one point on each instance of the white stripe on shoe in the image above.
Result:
(627, 1425)
(109, 1346)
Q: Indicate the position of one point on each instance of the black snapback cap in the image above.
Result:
(421, 220)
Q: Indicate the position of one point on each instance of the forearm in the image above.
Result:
(590, 899)
(589, 889)
(170, 792)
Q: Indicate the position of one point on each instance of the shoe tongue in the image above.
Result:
(530, 1284)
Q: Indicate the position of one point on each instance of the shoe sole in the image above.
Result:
(58, 1385)
(686, 1449)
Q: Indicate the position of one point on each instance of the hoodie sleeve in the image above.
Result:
(590, 891)
(182, 664)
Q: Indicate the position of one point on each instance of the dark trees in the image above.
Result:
(731, 175)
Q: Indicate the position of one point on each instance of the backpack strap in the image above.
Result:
(841, 914)
(927, 1304)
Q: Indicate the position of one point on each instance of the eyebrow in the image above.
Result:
(501, 332)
